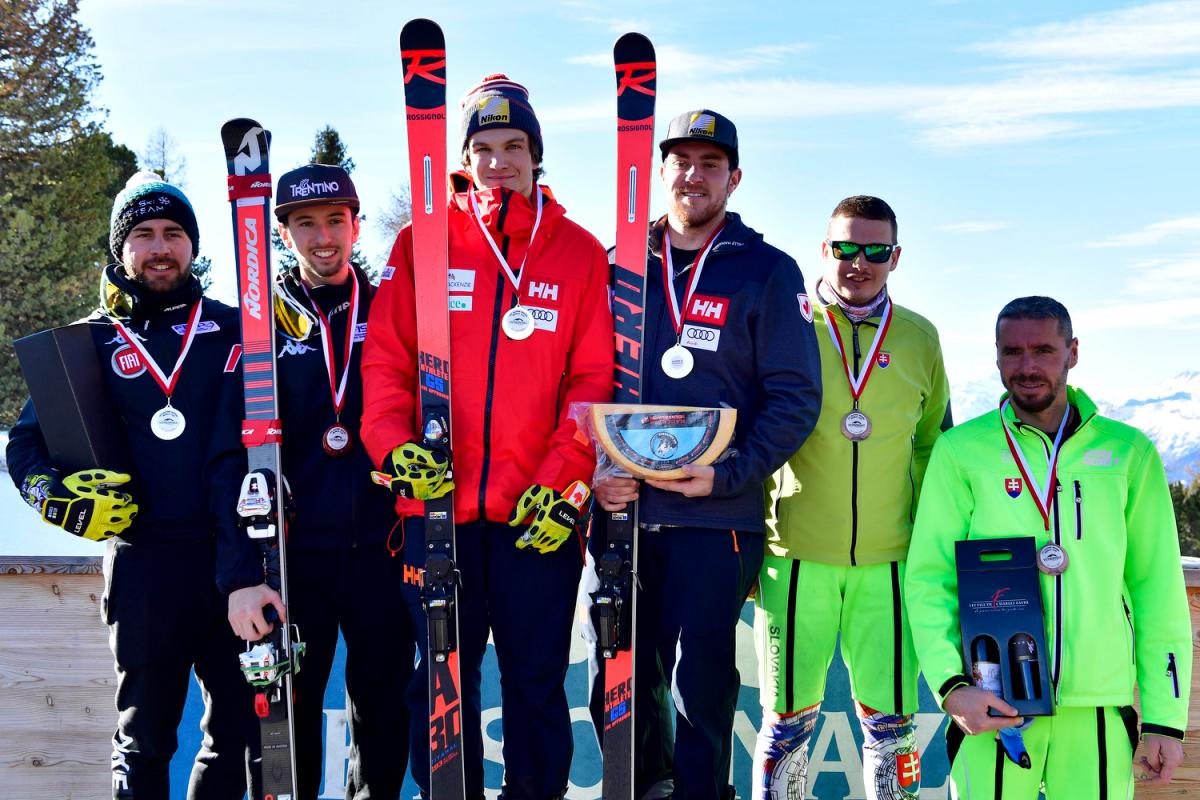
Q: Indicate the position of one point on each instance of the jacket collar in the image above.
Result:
(504, 211)
(735, 237)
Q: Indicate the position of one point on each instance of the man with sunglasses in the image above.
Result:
(341, 575)
(728, 323)
(840, 516)
(167, 353)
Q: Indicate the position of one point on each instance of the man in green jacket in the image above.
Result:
(1092, 493)
(840, 514)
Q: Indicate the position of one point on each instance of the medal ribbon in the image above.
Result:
(1041, 494)
(858, 383)
(515, 280)
(165, 382)
(669, 270)
(337, 391)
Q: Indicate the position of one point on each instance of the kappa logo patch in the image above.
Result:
(461, 280)
(884, 359)
(1013, 486)
(127, 363)
(291, 348)
(544, 319)
(205, 326)
(698, 337)
(707, 310)
(806, 309)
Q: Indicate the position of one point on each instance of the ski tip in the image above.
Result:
(421, 34)
(633, 46)
(247, 145)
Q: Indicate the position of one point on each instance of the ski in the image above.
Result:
(423, 54)
(269, 663)
(615, 601)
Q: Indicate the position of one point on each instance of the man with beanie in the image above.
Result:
(168, 353)
(728, 323)
(531, 333)
(839, 517)
(340, 573)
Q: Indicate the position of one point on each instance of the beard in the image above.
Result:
(1037, 403)
(697, 217)
(162, 283)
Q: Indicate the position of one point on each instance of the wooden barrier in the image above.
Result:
(57, 684)
(56, 678)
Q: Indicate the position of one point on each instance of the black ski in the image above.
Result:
(615, 601)
(270, 663)
(423, 54)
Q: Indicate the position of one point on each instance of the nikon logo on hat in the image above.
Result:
(703, 125)
(494, 111)
(314, 184)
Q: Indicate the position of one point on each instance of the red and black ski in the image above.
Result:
(423, 53)
(269, 663)
(615, 602)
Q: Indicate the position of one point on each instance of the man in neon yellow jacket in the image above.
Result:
(1092, 493)
(840, 516)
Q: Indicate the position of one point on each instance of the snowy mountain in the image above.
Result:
(1169, 413)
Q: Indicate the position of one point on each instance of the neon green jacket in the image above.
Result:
(849, 503)
(1117, 614)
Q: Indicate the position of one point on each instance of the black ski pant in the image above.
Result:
(356, 591)
(693, 584)
(527, 600)
(166, 617)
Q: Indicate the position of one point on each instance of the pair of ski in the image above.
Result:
(246, 144)
(423, 53)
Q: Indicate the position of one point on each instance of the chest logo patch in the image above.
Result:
(1013, 486)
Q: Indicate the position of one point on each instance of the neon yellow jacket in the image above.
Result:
(850, 503)
(1117, 614)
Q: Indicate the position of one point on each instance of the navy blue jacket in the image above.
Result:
(762, 361)
(181, 486)
(336, 504)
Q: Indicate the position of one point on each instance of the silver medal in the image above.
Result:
(677, 362)
(856, 426)
(167, 423)
(517, 323)
(1052, 559)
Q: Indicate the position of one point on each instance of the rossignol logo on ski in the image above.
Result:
(417, 66)
(252, 298)
(635, 75)
(445, 721)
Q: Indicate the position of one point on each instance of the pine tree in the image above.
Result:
(58, 174)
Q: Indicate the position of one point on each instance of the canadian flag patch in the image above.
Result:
(805, 307)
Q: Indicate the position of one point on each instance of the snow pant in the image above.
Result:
(1081, 751)
(693, 584)
(358, 591)
(165, 618)
(527, 600)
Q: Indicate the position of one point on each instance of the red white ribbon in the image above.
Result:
(514, 279)
(858, 383)
(1041, 494)
(697, 267)
(337, 390)
(164, 381)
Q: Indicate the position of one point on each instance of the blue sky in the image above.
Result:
(1027, 147)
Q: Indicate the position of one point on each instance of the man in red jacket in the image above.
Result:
(516, 453)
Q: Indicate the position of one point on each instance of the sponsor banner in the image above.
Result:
(835, 764)
(460, 280)
(460, 302)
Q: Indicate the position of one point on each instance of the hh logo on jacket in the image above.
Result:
(708, 310)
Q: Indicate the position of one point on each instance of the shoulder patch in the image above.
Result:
(806, 309)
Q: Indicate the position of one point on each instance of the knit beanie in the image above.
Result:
(147, 196)
(497, 102)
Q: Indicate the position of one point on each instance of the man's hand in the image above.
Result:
(698, 483)
(554, 515)
(614, 493)
(416, 472)
(83, 503)
(968, 707)
(1161, 755)
(246, 611)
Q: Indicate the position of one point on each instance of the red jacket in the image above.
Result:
(509, 399)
